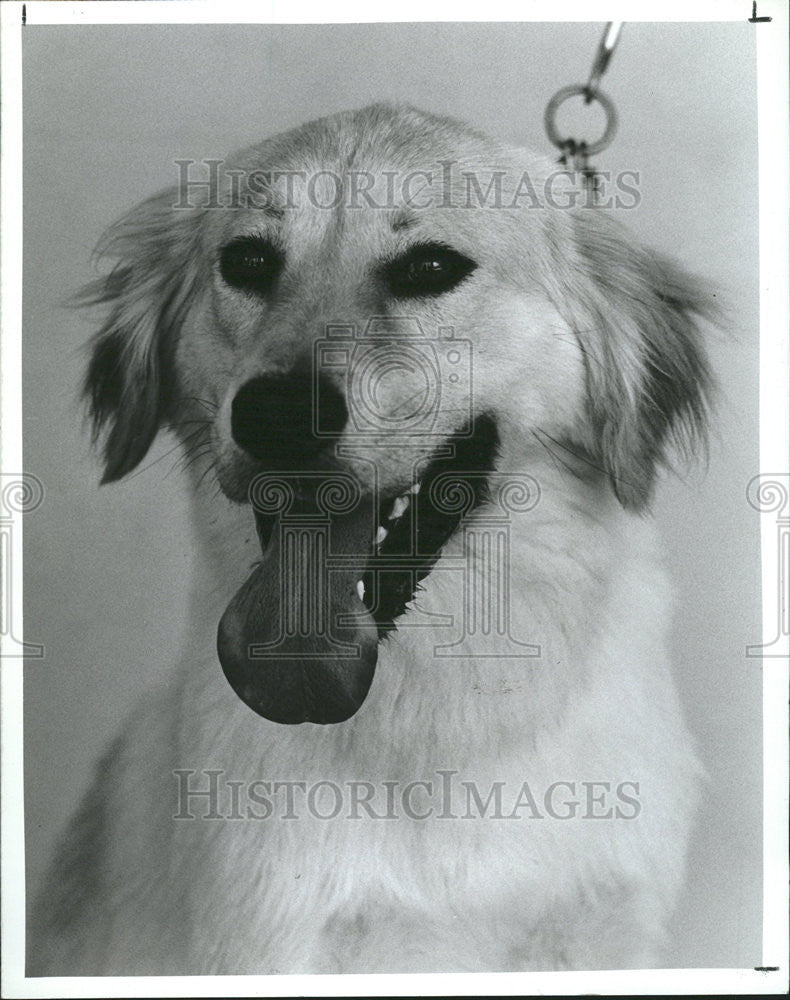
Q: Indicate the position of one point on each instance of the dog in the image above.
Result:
(424, 718)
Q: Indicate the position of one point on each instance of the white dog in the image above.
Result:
(424, 392)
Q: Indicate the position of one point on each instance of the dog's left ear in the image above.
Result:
(635, 315)
(130, 382)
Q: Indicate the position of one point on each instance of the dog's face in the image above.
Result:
(356, 316)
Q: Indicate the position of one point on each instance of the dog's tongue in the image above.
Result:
(296, 643)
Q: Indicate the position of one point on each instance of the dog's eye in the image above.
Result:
(431, 269)
(250, 263)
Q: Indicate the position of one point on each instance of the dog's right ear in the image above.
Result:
(636, 317)
(130, 384)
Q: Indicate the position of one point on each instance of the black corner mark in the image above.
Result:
(24, 14)
(754, 19)
(766, 968)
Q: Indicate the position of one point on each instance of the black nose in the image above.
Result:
(275, 418)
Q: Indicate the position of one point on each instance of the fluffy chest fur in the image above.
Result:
(539, 794)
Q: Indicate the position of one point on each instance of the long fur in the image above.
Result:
(588, 355)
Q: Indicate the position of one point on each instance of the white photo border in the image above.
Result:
(772, 57)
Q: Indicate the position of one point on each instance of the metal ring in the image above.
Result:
(580, 89)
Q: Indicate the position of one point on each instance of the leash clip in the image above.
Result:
(573, 151)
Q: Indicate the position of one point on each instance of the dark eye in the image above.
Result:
(250, 263)
(430, 269)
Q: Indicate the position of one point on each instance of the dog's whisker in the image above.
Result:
(203, 421)
(195, 444)
(209, 468)
(559, 465)
(206, 403)
(188, 460)
(164, 455)
(586, 460)
(194, 439)
(194, 454)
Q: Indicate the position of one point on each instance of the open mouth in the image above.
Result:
(299, 641)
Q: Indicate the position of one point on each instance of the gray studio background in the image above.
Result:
(108, 109)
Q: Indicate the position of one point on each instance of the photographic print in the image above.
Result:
(393, 489)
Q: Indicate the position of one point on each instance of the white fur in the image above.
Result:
(140, 892)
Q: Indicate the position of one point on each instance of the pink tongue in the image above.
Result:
(296, 643)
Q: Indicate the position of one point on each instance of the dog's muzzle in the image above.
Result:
(339, 567)
(296, 643)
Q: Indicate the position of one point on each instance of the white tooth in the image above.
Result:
(415, 489)
(381, 534)
(361, 590)
(398, 507)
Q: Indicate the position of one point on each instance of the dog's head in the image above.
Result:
(354, 314)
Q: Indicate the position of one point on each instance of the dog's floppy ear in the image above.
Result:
(635, 315)
(130, 380)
